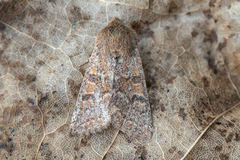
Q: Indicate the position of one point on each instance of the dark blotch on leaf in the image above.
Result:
(182, 114)
(222, 45)
(84, 142)
(237, 137)
(194, 33)
(229, 138)
(224, 156)
(2, 27)
(218, 148)
(205, 82)
(30, 101)
(215, 71)
(43, 99)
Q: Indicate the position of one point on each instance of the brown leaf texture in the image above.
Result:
(191, 61)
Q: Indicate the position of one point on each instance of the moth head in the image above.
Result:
(117, 39)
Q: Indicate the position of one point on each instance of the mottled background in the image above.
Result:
(190, 54)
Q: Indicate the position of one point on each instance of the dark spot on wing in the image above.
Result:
(138, 98)
(92, 78)
(86, 97)
(137, 79)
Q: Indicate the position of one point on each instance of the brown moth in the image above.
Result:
(114, 90)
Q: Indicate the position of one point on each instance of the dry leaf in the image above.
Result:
(189, 51)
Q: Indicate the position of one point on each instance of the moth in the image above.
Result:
(113, 90)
